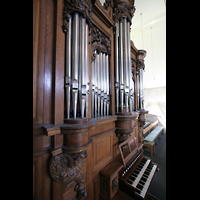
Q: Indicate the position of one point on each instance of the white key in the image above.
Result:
(141, 173)
(146, 186)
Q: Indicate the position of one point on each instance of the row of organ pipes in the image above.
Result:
(77, 66)
(100, 85)
(77, 72)
(124, 85)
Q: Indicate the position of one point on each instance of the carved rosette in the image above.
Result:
(100, 42)
(123, 10)
(76, 6)
(67, 168)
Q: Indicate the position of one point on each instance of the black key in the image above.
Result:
(132, 178)
(139, 186)
(129, 182)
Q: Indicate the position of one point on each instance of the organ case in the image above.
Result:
(80, 116)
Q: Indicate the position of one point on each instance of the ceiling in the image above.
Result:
(148, 32)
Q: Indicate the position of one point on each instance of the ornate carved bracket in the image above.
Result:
(140, 59)
(78, 6)
(100, 42)
(123, 10)
(125, 125)
(141, 123)
(67, 168)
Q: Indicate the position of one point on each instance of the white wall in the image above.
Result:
(155, 95)
(151, 36)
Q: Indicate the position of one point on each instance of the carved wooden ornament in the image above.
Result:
(123, 10)
(76, 6)
(100, 42)
(67, 168)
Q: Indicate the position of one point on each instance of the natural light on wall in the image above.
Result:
(148, 32)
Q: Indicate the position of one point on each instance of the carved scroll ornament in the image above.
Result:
(140, 59)
(100, 42)
(78, 6)
(67, 168)
(140, 64)
(123, 10)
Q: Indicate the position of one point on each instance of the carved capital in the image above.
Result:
(76, 6)
(100, 42)
(67, 168)
(140, 64)
(140, 59)
(123, 10)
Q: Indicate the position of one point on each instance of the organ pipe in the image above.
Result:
(100, 83)
(75, 52)
(77, 69)
(123, 70)
(107, 75)
(68, 69)
(129, 66)
(87, 67)
(116, 67)
(82, 82)
(125, 62)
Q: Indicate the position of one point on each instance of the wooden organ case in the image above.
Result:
(87, 95)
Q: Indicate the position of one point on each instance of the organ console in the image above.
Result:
(133, 177)
(88, 102)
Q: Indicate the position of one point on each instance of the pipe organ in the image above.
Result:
(88, 99)
(76, 67)
(140, 69)
(124, 84)
(100, 85)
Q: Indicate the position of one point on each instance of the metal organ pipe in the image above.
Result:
(75, 52)
(82, 82)
(141, 89)
(123, 69)
(100, 83)
(107, 85)
(125, 60)
(68, 68)
(93, 88)
(129, 66)
(77, 69)
(87, 68)
(117, 66)
(138, 90)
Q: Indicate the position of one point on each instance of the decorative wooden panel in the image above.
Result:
(102, 149)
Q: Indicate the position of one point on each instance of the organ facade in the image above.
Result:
(88, 94)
